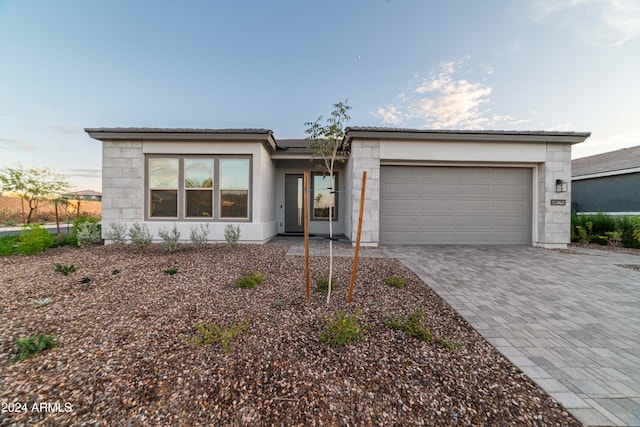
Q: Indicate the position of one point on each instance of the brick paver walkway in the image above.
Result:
(571, 322)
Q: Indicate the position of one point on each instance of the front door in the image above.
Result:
(293, 201)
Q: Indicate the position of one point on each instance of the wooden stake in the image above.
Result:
(357, 253)
(305, 209)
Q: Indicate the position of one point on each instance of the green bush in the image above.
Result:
(343, 329)
(322, 284)
(199, 235)
(628, 225)
(171, 271)
(414, 326)
(232, 234)
(209, 333)
(10, 223)
(89, 233)
(118, 233)
(8, 245)
(249, 280)
(64, 239)
(396, 281)
(170, 239)
(32, 345)
(64, 269)
(34, 239)
(140, 236)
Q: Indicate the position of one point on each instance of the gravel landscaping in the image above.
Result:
(127, 353)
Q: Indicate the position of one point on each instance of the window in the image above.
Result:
(324, 196)
(163, 185)
(185, 187)
(198, 184)
(234, 188)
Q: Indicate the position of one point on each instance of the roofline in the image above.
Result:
(605, 174)
(466, 135)
(185, 134)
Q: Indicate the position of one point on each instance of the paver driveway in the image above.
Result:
(571, 322)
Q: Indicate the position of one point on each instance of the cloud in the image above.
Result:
(599, 143)
(65, 129)
(10, 143)
(607, 23)
(85, 173)
(443, 100)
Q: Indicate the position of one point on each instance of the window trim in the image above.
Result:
(182, 189)
(313, 216)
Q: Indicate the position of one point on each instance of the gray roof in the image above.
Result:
(467, 132)
(299, 143)
(619, 160)
(177, 130)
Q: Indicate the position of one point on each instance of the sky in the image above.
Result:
(565, 65)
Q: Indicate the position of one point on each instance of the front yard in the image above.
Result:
(127, 352)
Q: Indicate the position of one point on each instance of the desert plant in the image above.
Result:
(10, 223)
(208, 333)
(64, 239)
(412, 325)
(89, 233)
(65, 269)
(200, 234)
(171, 271)
(232, 234)
(29, 346)
(34, 239)
(629, 226)
(170, 239)
(614, 238)
(322, 284)
(343, 329)
(8, 245)
(41, 302)
(117, 233)
(396, 281)
(140, 236)
(249, 280)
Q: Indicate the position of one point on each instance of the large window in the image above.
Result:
(189, 187)
(324, 196)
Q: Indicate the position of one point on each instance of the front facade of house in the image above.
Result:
(423, 187)
(608, 182)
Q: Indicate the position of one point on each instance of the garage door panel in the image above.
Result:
(455, 205)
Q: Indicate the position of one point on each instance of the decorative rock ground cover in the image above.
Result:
(125, 357)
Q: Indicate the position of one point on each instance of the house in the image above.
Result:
(89, 195)
(608, 182)
(423, 186)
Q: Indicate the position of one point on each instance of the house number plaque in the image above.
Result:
(558, 202)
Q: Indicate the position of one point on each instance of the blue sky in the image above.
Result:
(490, 64)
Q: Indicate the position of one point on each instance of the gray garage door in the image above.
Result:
(455, 205)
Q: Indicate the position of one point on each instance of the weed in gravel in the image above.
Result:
(322, 284)
(171, 271)
(118, 233)
(64, 269)
(232, 234)
(29, 346)
(170, 239)
(140, 236)
(396, 281)
(249, 280)
(209, 333)
(278, 305)
(42, 302)
(413, 326)
(199, 235)
(343, 329)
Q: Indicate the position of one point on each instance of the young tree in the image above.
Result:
(33, 185)
(328, 145)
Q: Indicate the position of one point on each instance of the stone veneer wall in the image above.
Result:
(365, 156)
(122, 193)
(554, 222)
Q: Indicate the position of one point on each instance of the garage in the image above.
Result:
(442, 205)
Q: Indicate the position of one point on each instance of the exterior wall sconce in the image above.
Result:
(561, 186)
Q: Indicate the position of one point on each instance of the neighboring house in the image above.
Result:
(89, 195)
(423, 186)
(608, 182)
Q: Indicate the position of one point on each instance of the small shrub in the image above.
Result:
(65, 269)
(199, 235)
(629, 226)
(614, 238)
(232, 234)
(278, 305)
(89, 233)
(170, 239)
(117, 233)
(10, 223)
(8, 245)
(42, 302)
(171, 271)
(396, 281)
(249, 280)
(448, 344)
(34, 239)
(140, 236)
(209, 333)
(322, 284)
(32, 345)
(412, 325)
(343, 329)
(64, 239)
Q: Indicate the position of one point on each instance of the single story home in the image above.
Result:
(423, 186)
(608, 182)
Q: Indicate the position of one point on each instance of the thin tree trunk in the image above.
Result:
(330, 236)
(57, 218)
